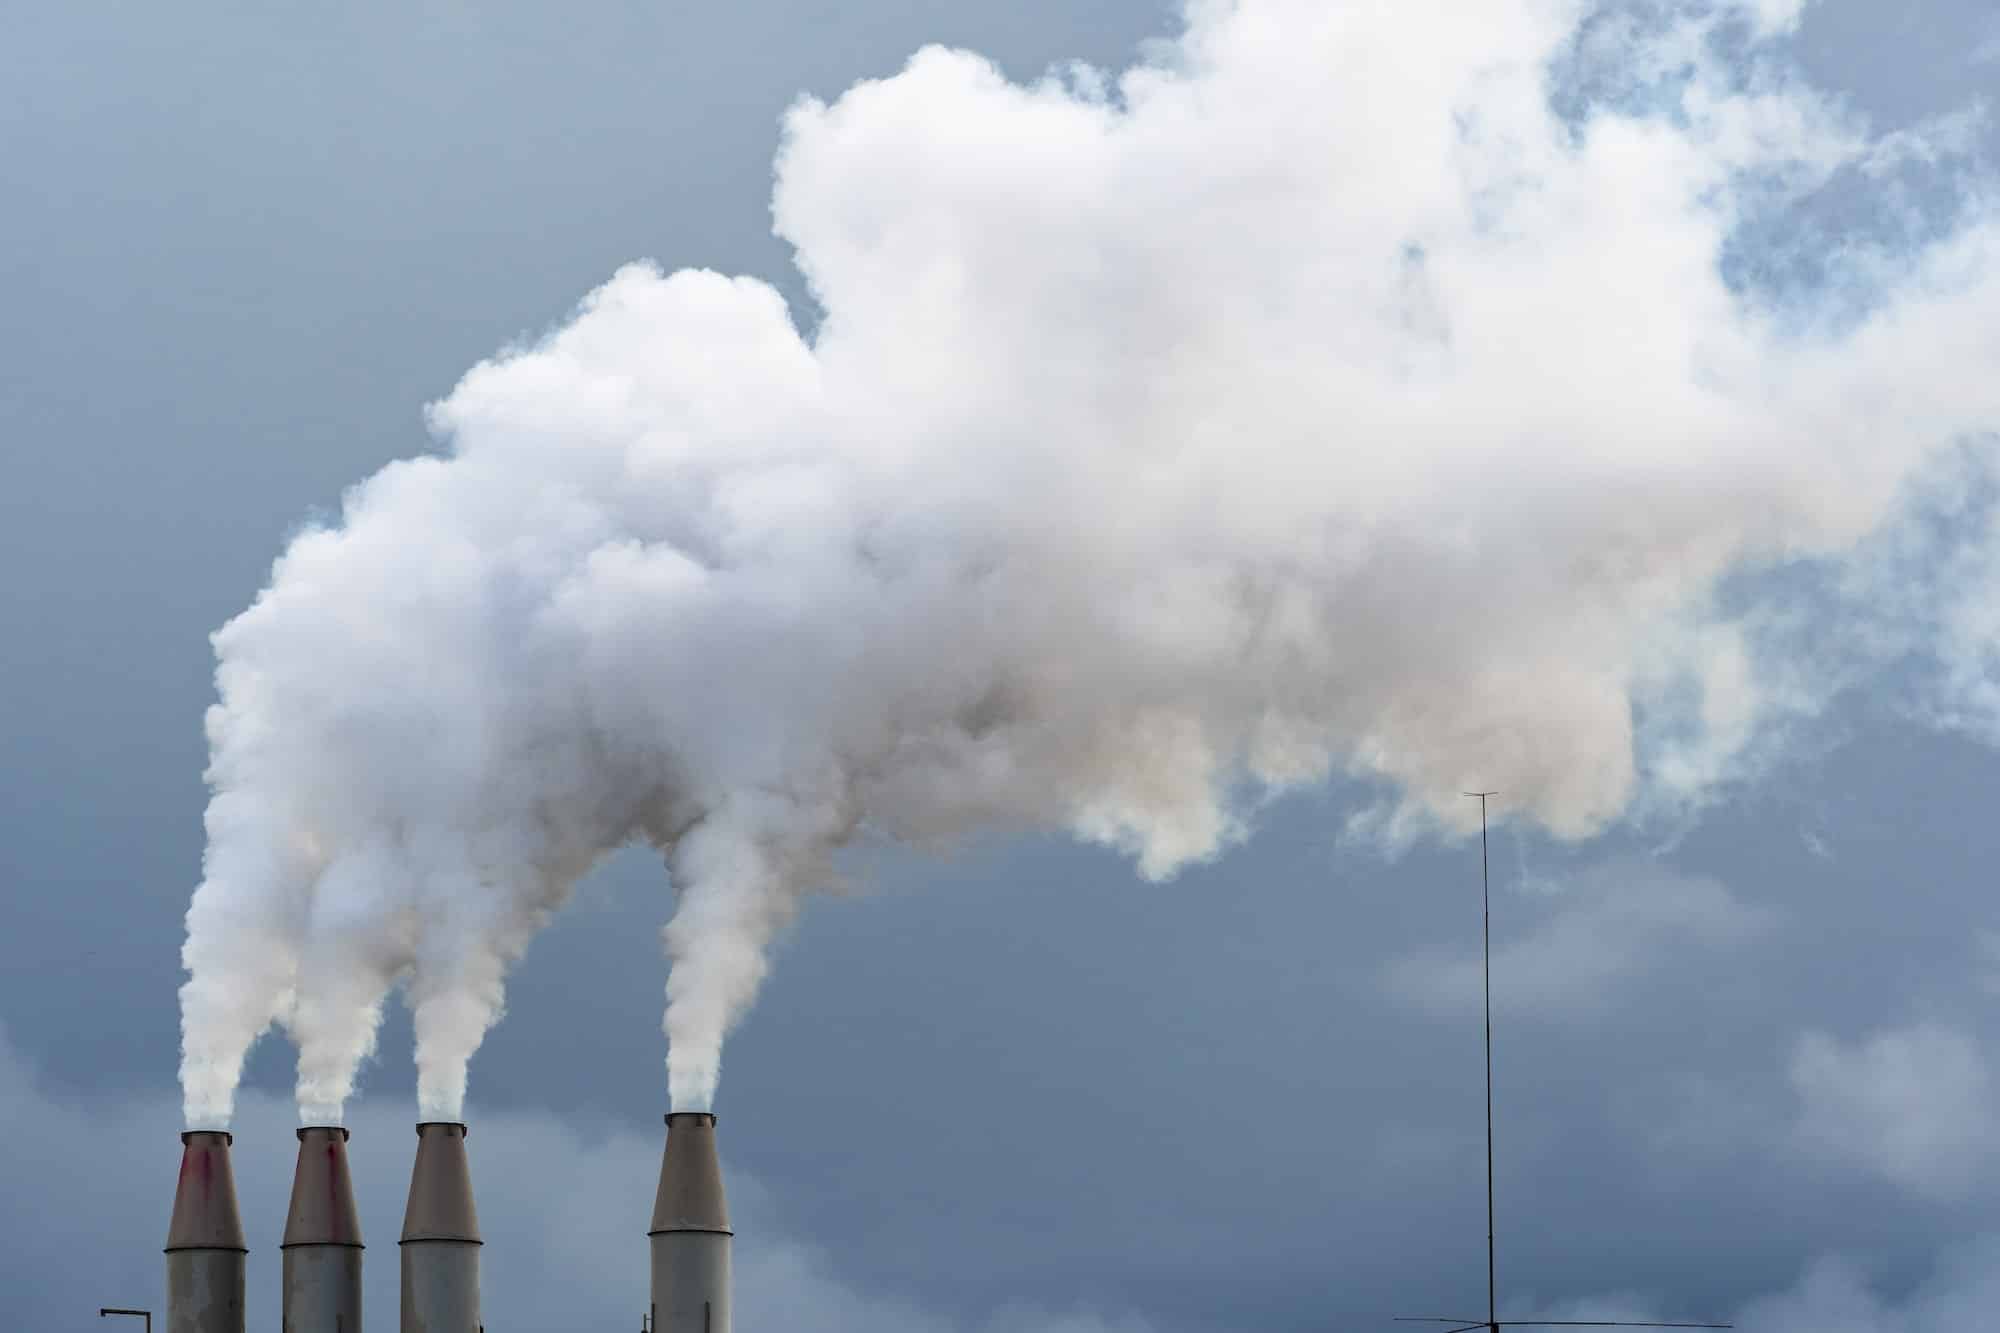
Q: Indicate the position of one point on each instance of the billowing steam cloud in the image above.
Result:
(1351, 386)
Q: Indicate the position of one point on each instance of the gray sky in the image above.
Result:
(1745, 1069)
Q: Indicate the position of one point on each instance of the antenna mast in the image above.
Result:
(1486, 984)
(1493, 1323)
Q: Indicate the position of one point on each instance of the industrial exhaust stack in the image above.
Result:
(205, 1250)
(690, 1232)
(440, 1241)
(322, 1239)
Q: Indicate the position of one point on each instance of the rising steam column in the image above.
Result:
(322, 1239)
(440, 1236)
(690, 1232)
(205, 1250)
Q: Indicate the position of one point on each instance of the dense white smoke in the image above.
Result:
(1341, 389)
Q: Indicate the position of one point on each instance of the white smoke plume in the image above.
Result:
(1349, 387)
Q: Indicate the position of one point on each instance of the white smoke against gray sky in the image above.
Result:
(1311, 397)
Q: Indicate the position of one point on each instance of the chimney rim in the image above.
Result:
(322, 1245)
(672, 1116)
(459, 1125)
(186, 1249)
(342, 1130)
(188, 1136)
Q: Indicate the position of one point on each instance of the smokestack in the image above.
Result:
(322, 1239)
(205, 1251)
(440, 1241)
(690, 1232)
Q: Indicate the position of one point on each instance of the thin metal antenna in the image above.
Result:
(1559, 1323)
(1493, 1323)
(1486, 984)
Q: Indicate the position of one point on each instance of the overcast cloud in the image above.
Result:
(1601, 929)
(1914, 1104)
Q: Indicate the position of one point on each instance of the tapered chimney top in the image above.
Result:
(322, 1211)
(690, 1197)
(205, 1214)
(440, 1206)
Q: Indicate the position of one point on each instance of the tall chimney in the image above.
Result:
(322, 1239)
(440, 1236)
(690, 1232)
(205, 1251)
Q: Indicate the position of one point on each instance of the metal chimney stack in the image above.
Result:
(322, 1239)
(440, 1236)
(690, 1232)
(205, 1251)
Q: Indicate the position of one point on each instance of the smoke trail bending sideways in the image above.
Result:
(1313, 396)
